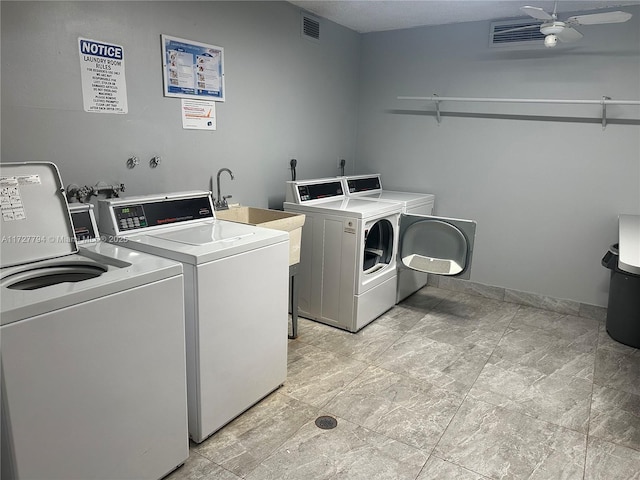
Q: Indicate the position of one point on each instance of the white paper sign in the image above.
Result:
(198, 114)
(104, 88)
(10, 200)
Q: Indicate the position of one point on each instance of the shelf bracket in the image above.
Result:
(604, 111)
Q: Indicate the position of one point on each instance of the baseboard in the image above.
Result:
(567, 307)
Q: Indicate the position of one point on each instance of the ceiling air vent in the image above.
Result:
(527, 37)
(310, 27)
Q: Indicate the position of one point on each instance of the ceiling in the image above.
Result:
(375, 16)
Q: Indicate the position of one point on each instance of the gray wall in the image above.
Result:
(546, 195)
(287, 97)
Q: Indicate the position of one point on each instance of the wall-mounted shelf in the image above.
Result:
(604, 101)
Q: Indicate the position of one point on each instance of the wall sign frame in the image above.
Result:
(192, 69)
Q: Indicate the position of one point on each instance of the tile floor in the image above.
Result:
(446, 385)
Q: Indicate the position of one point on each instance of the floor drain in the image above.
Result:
(326, 422)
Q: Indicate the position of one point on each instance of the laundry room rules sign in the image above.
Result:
(104, 88)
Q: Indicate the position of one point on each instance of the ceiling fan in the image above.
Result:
(555, 30)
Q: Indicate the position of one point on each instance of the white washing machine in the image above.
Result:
(370, 186)
(92, 351)
(236, 295)
(346, 241)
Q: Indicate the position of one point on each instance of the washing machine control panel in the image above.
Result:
(315, 191)
(130, 217)
(162, 212)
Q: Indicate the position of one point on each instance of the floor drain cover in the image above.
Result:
(326, 422)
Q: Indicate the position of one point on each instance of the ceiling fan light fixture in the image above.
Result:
(550, 41)
(552, 28)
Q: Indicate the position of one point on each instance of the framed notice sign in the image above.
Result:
(192, 69)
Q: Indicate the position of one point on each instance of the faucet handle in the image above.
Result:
(224, 197)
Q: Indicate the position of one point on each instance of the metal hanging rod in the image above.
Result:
(604, 101)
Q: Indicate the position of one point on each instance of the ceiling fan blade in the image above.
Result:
(536, 12)
(516, 29)
(596, 18)
(569, 34)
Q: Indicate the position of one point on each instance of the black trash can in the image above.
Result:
(623, 309)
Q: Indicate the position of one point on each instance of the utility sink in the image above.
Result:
(266, 218)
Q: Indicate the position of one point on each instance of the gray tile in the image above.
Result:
(502, 444)
(438, 469)
(400, 318)
(547, 352)
(568, 307)
(608, 343)
(402, 408)
(459, 331)
(528, 373)
(617, 370)
(474, 288)
(348, 451)
(555, 398)
(468, 307)
(310, 329)
(442, 364)
(607, 461)
(425, 299)
(315, 375)
(615, 416)
(365, 345)
(249, 439)
(593, 311)
(579, 330)
(197, 467)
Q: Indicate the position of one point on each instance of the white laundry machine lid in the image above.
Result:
(360, 207)
(36, 224)
(369, 186)
(409, 199)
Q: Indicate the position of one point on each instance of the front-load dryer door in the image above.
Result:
(436, 245)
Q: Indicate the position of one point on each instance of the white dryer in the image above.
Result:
(92, 353)
(347, 272)
(236, 290)
(338, 253)
(370, 186)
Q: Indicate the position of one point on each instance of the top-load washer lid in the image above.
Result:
(207, 233)
(197, 244)
(36, 224)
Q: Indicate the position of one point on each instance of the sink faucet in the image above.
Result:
(221, 202)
